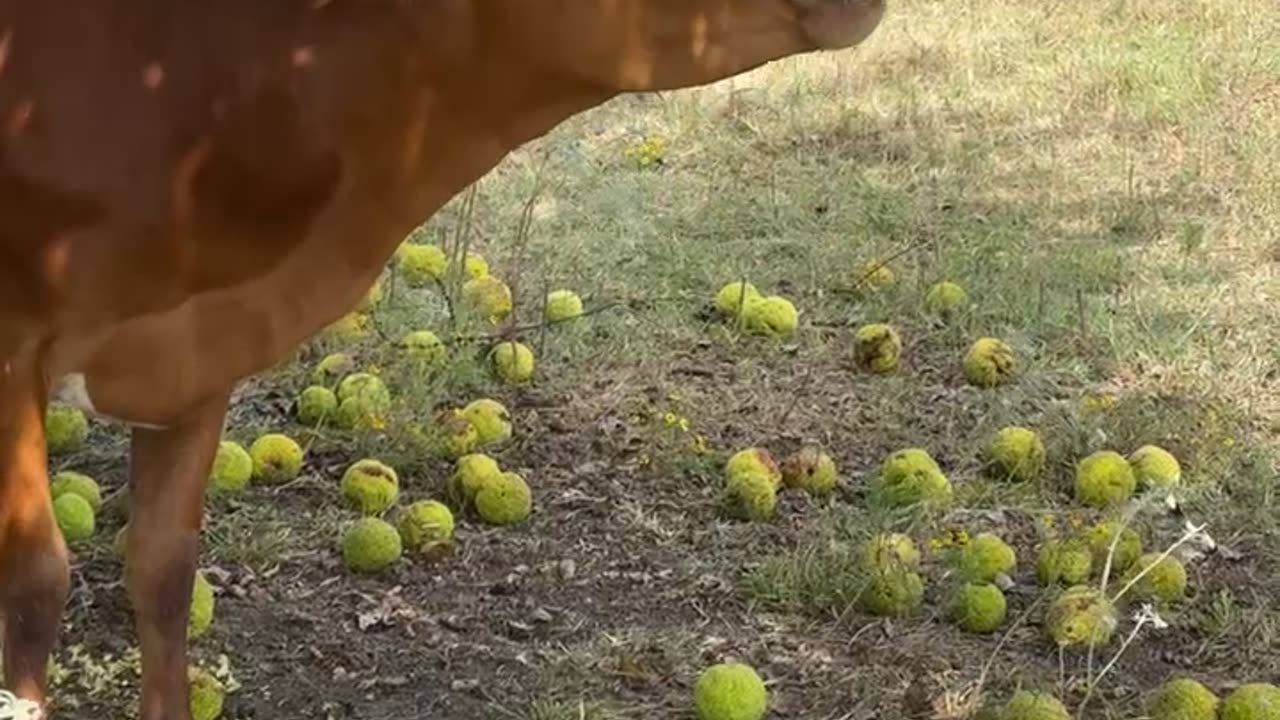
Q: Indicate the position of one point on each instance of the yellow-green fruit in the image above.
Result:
(730, 691)
(1027, 705)
(423, 347)
(359, 413)
(810, 469)
(876, 274)
(1064, 562)
(1165, 583)
(1104, 479)
(370, 487)
(563, 305)
(348, 329)
(773, 316)
(491, 420)
(471, 473)
(984, 557)
(734, 296)
(457, 435)
(74, 516)
(86, 487)
(488, 296)
(1252, 701)
(1184, 699)
(424, 525)
(751, 495)
(315, 404)
(232, 468)
(202, 606)
(504, 500)
(372, 297)
(512, 362)
(276, 459)
(1155, 468)
(370, 545)
(331, 367)
(978, 607)
(65, 429)
(888, 552)
(892, 593)
(877, 348)
(475, 266)
(1015, 453)
(1128, 548)
(945, 299)
(910, 477)
(989, 362)
(207, 694)
(364, 385)
(753, 460)
(1081, 615)
(421, 265)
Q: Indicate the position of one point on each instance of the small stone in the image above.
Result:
(567, 568)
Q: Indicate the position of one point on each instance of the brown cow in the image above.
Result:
(191, 188)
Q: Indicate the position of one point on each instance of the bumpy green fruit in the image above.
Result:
(978, 608)
(366, 386)
(276, 459)
(332, 367)
(910, 477)
(876, 274)
(1183, 699)
(232, 468)
(889, 552)
(458, 435)
(772, 316)
(1064, 562)
(892, 593)
(1252, 701)
(207, 694)
(945, 299)
(1015, 453)
(505, 500)
(1164, 583)
(1155, 468)
(491, 420)
(78, 483)
(424, 525)
(810, 469)
(370, 545)
(563, 305)
(989, 362)
(315, 404)
(1027, 705)
(489, 297)
(65, 428)
(471, 473)
(370, 487)
(423, 347)
(512, 362)
(1104, 479)
(74, 516)
(202, 606)
(1128, 549)
(751, 495)
(1081, 615)
(877, 348)
(475, 266)
(421, 265)
(985, 557)
(735, 296)
(360, 413)
(753, 460)
(730, 691)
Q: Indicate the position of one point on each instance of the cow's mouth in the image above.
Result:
(836, 24)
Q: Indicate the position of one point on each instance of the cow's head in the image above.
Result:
(628, 45)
